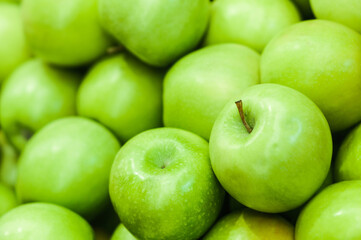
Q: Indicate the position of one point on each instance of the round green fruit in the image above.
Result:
(250, 22)
(162, 185)
(73, 157)
(321, 59)
(8, 199)
(43, 221)
(121, 233)
(64, 32)
(260, 158)
(124, 94)
(198, 86)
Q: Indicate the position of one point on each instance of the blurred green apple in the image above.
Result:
(250, 22)
(34, 95)
(322, 60)
(13, 47)
(333, 214)
(121, 233)
(123, 94)
(68, 163)
(345, 12)
(8, 161)
(162, 185)
(263, 157)
(43, 221)
(8, 199)
(248, 224)
(64, 32)
(198, 86)
(158, 32)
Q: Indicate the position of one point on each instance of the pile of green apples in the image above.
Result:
(180, 119)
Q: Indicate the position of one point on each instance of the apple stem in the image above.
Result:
(241, 113)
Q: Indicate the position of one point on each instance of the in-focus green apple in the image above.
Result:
(8, 199)
(13, 47)
(43, 221)
(64, 32)
(333, 214)
(345, 12)
(121, 233)
(68, 163)
(250, 22)
(162, 185)
(249, 224)
(124, 94)
(321, 59)
(34, 95)
(281, 158)
(198, 86)
(158, 32)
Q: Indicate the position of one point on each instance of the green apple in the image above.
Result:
(8, 161)
(43, 221)
(8, 199)
(348, 160)
(305, 8)
(250, 22)
(158, 32)
(333, 214)
(13, 47)
(249, 224)
(121, 233)
(262, 153)
(345, 12)
(34, 95)
(198, 86)
(68, 163)
(123, 94)
(64, 32)
(321, 59)
(162, 185)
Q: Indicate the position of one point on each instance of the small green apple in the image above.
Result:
(263, 157)
(333, 214)
(345, 12)
(43, 221)
(249, 224)
(158, 32)
(250, 22)
(13, 47)
(64, 32)
(124, 94)
(68, 163)
(162, 185)
(34, 95)
(8, 199)
(8, 161)
(321, 59)
(198, 86)
(121, 233)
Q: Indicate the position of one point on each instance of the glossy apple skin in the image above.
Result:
(333, 214)
(158, 32)
(7, 199)
(64, 32)
(121, 233)
(347, 164)
(162, 185)
(252, 23)
(249, 224)
(43, 221)
(13, 47)
(198, 86)
(124, 94)
(73, 157)
(344, 12)
(268, 170)
(34, 95)
(321, 59)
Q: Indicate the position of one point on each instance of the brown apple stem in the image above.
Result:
(241, 113)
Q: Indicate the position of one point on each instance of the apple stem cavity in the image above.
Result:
(241, 113)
